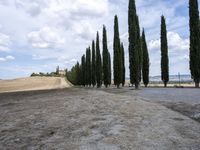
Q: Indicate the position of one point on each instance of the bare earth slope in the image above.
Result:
(33, 83)
(89, 119)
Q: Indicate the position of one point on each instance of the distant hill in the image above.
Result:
(173, 78)
(33, 83)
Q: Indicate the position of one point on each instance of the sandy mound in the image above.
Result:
(33, 83)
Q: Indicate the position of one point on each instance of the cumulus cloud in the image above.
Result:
(4, 2)
(2, 59)
(178, 49)
(64, 28)
(89, 8)
(45, 38)
(175, 43)
(7, 58)
(10, 58)
(84, 30)
(4, 42)
(32, 7)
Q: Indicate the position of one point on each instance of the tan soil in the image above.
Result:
(33, 83)
(90, 119)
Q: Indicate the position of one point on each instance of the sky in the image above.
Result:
(38, 35)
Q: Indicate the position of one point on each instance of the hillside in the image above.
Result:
(33, 83)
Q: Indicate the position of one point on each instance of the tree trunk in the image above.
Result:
(165, 84)
(197, 84)
(145, 86)
(136, 86)
(118, 86)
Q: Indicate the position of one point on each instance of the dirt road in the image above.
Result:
(87, 119)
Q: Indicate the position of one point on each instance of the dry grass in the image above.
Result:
(33, 83)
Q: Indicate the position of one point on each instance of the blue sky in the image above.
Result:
(38, 35)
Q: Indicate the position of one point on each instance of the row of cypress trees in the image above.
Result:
(138, 52)
(97, 70)
(194, 24)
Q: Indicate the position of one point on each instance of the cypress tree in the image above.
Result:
(123, 65)
(117, 55)
(57, 70)
(134, 45)
(88, 62)
(98, 63)
(164, 53)
(93, 64)
(86, 67)
(145, 66)
(83, 69)
(194, 41)
(105, 59)
(77, 74)
(139, 48)
(109, 70)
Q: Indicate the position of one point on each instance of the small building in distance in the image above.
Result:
(62, 72)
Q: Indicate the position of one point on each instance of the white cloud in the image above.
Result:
(4, 42)
(178, 49)
(45, 38)
(84, 30)
(10, 58)
(89, 8)
(32, 7)
(64, 28)
(154, 45)
(175, 43)
(7, 58)
(2, 59)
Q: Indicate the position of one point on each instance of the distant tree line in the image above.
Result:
(95, 68)
(52, 74)
(41, 74)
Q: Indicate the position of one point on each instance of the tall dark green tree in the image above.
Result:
(57, 70)
(117, 65)
(88, 66)
(93, 64)
(145, 66)
(98, 63)
(78, 72)
(109, 70)
(83, 70)
(194, 41)
(134, 45)
(140, 52)
(123, 65)
(164, 53)
(105, 59)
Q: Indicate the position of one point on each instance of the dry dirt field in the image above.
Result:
(33, 83)
(90, 119)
